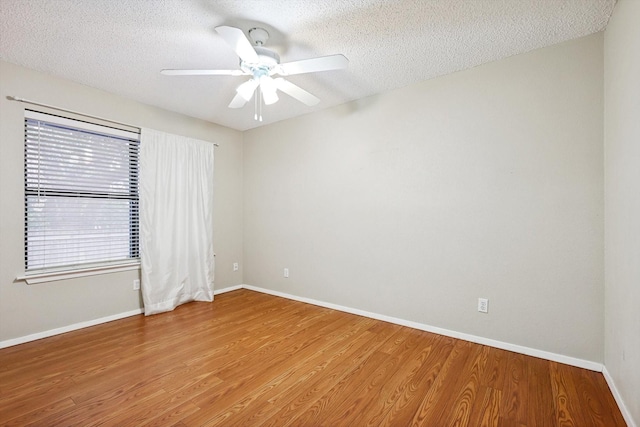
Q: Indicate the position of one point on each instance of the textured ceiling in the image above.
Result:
(121, 45)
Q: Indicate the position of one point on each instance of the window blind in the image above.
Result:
(81, 193)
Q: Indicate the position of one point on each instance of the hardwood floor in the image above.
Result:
(251, 359)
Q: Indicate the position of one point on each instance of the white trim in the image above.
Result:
(86, 324)
(69, 328)
(51, 276)
(580, 363)
(616, 395)
(225, 290)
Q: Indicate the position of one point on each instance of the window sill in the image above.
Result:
(52, 276)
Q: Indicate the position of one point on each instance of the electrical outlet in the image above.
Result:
(483, 305)
(235, 266)
(286, 272)
(136, 284)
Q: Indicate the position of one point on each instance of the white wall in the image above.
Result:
(29, 309)
(622, 201)
(412, 204)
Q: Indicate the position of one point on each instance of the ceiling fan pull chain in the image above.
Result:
(255, 107)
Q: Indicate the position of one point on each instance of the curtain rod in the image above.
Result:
(26, 101)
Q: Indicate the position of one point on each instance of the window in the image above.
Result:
(81, 194)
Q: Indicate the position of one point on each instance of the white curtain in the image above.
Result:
(176, 220)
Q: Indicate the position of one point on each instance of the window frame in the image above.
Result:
(79, 268)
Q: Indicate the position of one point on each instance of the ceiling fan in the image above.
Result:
(262, 64)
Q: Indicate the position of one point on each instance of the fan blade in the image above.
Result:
(239, 42)
(296, 92)
(323, 63)
(246, 89)
(202, 72)
(237, 102)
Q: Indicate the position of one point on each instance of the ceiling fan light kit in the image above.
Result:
(262, 64)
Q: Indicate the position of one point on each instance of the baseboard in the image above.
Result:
(580, 363)
(81, 325)
(593, 366)
(616, 395)
(225, 290)
(69, 328)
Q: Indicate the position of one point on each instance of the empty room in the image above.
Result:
(320, 213)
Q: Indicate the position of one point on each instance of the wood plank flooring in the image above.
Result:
(250, 359)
